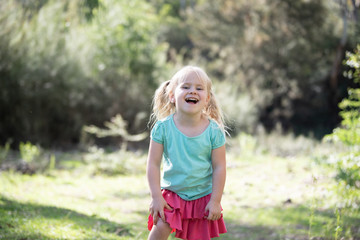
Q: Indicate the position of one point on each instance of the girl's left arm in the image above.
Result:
(218, 157)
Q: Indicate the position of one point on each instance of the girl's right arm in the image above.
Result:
(158, 202)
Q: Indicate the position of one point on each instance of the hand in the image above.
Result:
(157, 206)
(213, 209)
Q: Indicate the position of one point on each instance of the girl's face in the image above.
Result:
(190, 96)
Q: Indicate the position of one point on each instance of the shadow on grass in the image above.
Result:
(266, 223)
(14, 215)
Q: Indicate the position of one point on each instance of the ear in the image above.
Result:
(171, 97)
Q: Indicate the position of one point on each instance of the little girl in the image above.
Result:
(189, 136)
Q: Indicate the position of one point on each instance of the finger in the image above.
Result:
(167, 206)
(155, 218)
(207, 213)
(162, 215)
(207, 209)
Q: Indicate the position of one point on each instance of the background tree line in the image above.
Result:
(66, 64)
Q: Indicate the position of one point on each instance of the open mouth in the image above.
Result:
(191, 100)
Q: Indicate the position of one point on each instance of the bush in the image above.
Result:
(278, 53)
(61, 68)
(239, 109)
(4, 151)
(347, 164)
(29, 152)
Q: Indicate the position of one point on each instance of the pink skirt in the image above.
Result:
(188, 218)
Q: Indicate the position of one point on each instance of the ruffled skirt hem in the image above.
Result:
(188, 218)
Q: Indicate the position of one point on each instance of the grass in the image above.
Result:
(65, 206)
(266, 197)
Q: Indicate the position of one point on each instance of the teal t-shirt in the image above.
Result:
(187, 167)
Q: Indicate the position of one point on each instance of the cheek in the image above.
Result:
(178, 93)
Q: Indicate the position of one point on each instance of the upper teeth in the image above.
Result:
(191, 99)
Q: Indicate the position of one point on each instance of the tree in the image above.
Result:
(61, 68)
(347, 11)
(279, 54)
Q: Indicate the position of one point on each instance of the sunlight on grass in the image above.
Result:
(266, 197)
(274, 197)
(122, 200)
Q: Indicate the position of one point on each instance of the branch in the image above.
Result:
(116, 127)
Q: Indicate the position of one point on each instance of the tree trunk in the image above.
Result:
(339, 51)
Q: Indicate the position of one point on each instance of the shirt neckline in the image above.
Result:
(203, 132)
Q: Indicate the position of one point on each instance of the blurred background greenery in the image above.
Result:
(76, 84)
(67, 64)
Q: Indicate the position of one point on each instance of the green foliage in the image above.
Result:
(52, 162)
(338, 228)
(66, 64)
(61, 68)
(34, 159)
(76, 204)
(246, 114)
(4, 151)
(118, 162)
(29, 152)
(347, 163)
(353, 61)
(278, 53)
(349, 133)
(244, 145)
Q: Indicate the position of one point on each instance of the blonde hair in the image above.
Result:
(163, 107)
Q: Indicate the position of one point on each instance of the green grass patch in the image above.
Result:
(34, 221)
(72, 206)
(265, 197)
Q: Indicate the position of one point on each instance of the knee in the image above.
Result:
(165, 227)
(161, 230)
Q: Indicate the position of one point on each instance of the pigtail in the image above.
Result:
(214, 111)
(162, 107)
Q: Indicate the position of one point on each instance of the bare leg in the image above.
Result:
(160, 231)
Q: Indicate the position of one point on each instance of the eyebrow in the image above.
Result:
(196, 84)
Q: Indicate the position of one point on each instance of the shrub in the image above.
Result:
(116, 128)
(347, 164)
(29, 152)
(61, 69)
(278, 53)
(4, 151)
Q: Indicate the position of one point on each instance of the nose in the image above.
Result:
(193, 90)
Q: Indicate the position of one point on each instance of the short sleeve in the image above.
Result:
(218, 137)
(157, 133)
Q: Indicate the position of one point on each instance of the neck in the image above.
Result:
(188, 120)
